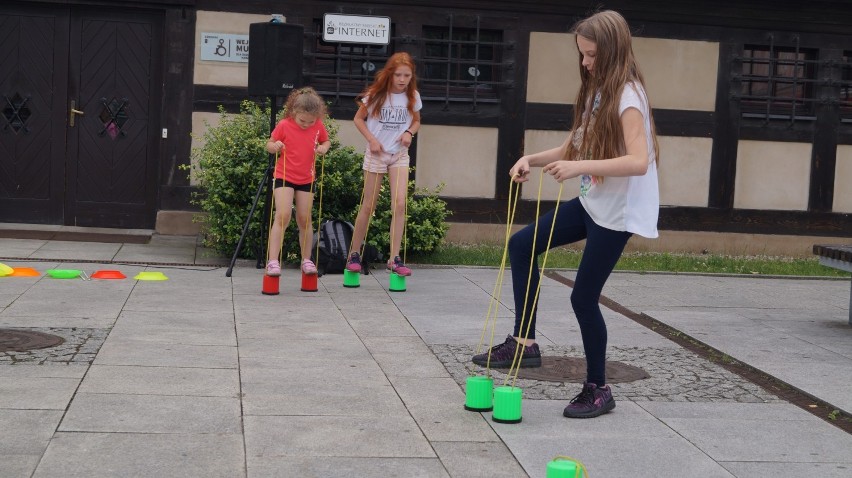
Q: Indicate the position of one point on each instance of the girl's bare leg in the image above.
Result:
(304, 203)
(398, 179)
(372, 184)
(283, 199)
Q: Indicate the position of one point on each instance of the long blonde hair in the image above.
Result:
(615, 67)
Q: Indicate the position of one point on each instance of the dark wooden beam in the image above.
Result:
(676, 218)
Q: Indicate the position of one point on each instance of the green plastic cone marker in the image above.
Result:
(565, 467)
(479, 394)
(351, 279)
(507, 405)
(397, 283)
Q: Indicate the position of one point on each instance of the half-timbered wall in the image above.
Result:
(752, 99)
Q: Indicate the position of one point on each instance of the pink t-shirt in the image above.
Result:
(297, 157)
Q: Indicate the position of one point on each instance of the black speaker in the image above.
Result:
(275, 58)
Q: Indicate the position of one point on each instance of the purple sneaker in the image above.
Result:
(397, 267)
(593, 401)
(503, 354)
(354, 262)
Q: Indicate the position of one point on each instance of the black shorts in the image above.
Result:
(280, 183)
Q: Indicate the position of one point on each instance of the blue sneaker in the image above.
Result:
(593, 401)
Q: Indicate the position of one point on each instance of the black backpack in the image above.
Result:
(334, 236)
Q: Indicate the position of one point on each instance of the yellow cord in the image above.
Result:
(361, 206)
(541, 272)
(404, 217)
(319, 214)
(272, 210)
(498, 285)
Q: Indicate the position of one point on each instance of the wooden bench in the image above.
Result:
(838, 257)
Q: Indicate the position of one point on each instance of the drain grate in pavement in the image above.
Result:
(573, 369)
(66, 345)
(673, 375)
(15, 340)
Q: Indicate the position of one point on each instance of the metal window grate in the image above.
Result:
(846, 88)
(339, 70)
(777, 82)
(458, 65)
(462, 64)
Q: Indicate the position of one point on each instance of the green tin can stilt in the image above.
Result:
(507, 405)
(479, 394)
(397, 283)
(351, 279)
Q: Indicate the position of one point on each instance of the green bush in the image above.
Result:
(233, 161)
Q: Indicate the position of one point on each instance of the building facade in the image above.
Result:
(752, 99)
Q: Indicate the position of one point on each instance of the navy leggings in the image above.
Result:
(602, 251)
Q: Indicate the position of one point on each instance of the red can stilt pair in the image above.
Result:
(271, 284)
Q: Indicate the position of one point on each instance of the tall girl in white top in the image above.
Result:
(613, 149)
(388, 116)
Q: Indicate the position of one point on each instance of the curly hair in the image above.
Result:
(305, 100)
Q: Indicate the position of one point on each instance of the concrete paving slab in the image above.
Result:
(68, 251)
(22, 466)
(344, 467)
(154, 354)
(67, 299)
(123, 413)
(796, 327)
(331, 345)
(774, 470)
(323, 396)
(341, 436)
(107, 455)
(42, 371)
(37, 393)
(20, 248)
(436, 405)
(479, 460)
(39, 426)
(132, 380)
(405, 357)
(174, 333)
(809, 440)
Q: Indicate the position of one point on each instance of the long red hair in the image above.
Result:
(378, 92)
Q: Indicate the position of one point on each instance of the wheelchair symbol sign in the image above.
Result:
(224, 47)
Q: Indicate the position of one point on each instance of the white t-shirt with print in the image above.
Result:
(393, 120)
(630, 203)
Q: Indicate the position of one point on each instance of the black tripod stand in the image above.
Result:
(265, 182)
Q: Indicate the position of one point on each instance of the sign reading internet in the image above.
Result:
(356, 29)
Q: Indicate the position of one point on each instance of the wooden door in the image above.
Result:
(97, 167)
(113, 146)
(33, 92)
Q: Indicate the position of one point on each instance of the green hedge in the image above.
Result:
(233, 161)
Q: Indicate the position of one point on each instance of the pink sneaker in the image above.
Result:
(354, 262)
(397, 267)
(308, 267)
(273, 268)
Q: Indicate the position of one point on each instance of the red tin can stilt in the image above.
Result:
(270, 285)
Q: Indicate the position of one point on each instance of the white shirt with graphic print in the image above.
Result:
(629, 203)
(393, 120)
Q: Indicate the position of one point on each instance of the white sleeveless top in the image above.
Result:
(630, 203)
